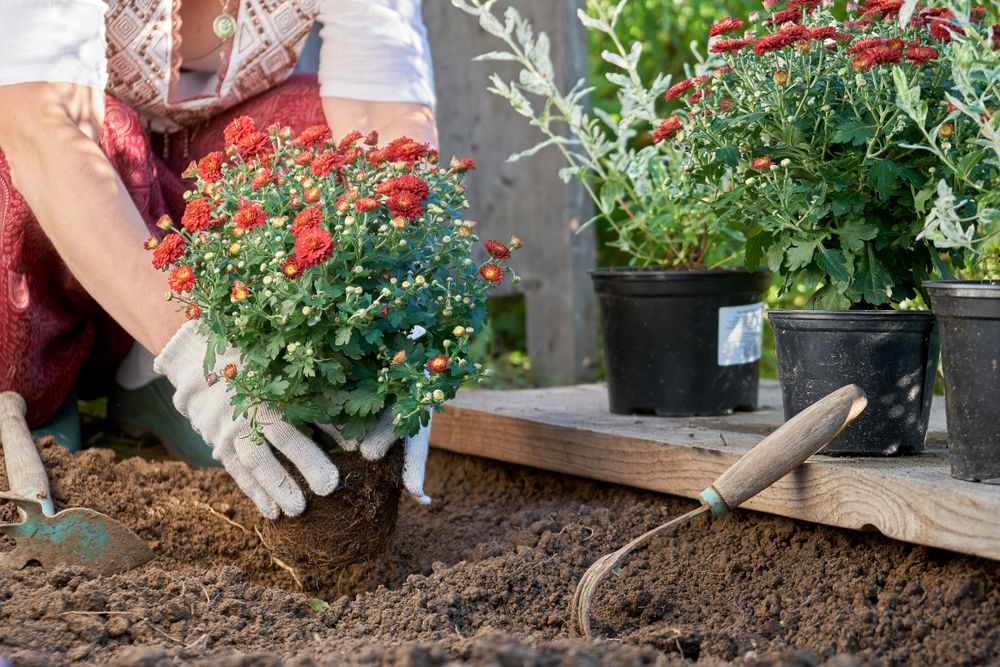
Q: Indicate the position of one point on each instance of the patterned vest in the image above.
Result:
(143, 64)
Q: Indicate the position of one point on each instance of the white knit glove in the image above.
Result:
(377, 442)
(253, 466)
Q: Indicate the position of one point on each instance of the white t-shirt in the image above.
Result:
(375, 50)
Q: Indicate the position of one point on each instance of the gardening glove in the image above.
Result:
(256, 471)
(377, 442)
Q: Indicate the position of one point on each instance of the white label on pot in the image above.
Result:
(741, 329)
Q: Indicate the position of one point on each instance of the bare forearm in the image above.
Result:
(84, 209)
(391, 119)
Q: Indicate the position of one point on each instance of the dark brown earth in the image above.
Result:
(484, 576)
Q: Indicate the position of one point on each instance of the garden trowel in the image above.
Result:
(74, 536)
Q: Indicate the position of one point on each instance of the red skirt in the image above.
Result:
(51, 331)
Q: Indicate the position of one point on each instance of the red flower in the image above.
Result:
(342, 205)
(405, 204)
(257, 144)
(492, 273)
(261, 179)
(239, 291)
(348, 141)
(883, 55)
(325, 163)
(372, 138)
(678, 89)
(239, 129)
(290, 268)
(863, 44)
(312, 247)
(312, 136)
(667, 129)
(151, 242)
(365, 204)
(229, 371)
(170, 248)
(197, 215)
(182, 279)
(882, 9)
(725, 25)
(191, 171)
(863, 62)
(398, 358)
(311, 195)
(725, 104)
(351, 194)
(780, 18)
(406, 150)
(773, 42)
(249, 216)
(310, 218)
(943, 30)
(516, 243)
(696, 97)
(438, 364)
(733, 45)
(796, 31)
(193, 311)
(843, 38)
(210, 166)
(761, 163)
(405, 183)
(462, 166)
(303, 158)
(822, 33)
(921, 54)
(780, 77)
(945, 130)
(497, 250)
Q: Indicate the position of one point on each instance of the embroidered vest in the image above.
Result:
(144, 66)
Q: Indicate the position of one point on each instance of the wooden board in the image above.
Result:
(570, 430)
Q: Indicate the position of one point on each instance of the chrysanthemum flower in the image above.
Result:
(290, 268)
(365, 204)
(944, 30)
(406, 150)
(229, 371)
(406, 205)
(342, 205)
(351, 194)
(724, 105)
(406, 182)
(516, 243)
(438, 364)
(884, 55)
(191, 171)
(822, 32)
(492, 273)
(193, 311)
(210, 166)
(150, 243)
(772, 42)
(309, 218)
(239, 291)
(325, 163)
(780, 77)
(254, 146)
(249, 216)
(497, 250)
(863, 62)
(239, 129)
(462, 166)
(863, 44)
(945, 130)
(730, 45)
(793, 15)
(398, 358)
(312, 247)
(678, 89)
(921, 54)
(182, 279)
(261, 179)
(197, 215)
(668, 128)
(725, 25)
(761, 163)
(169, 249)
(317, 134)
(311, 195)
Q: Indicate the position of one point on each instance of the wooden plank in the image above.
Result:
(570, 430)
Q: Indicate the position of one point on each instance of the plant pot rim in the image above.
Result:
(632, 273)
(847, 314)
(985, 289)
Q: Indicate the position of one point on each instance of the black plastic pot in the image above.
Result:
(891, 354)
(662, 340)
(968, 314)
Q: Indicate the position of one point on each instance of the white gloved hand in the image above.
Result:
(377, 442)
(256, 471)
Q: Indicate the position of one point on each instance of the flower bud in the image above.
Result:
(780, 77)
(438, 395)
(420, 280)
(945, 130)
(457, 331)
(754, 17)
(306, 310)
(234, 248)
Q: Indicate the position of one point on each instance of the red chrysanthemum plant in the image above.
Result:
(802, 131)
(319, 258)
(635, 188)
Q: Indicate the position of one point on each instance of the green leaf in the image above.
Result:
(853, 131)
(872, 280)
(317, 604)
(838, 179)
(776, 253)
(343, 336)
(968, 162)
(883, 176)
(363, 402)
(730, 155)
(610, 192)
(828, 298)
(753, 251)
(495, 55)
(920, 200)
(800, 253)
(835, 264)
(854, 233)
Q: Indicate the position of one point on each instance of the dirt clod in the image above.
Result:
(484, 577)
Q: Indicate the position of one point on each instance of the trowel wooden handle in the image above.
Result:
(784, 450)
(24, 466)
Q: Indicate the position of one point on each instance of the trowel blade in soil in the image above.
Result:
(76, 536)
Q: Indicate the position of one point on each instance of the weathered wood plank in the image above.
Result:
(570, 430)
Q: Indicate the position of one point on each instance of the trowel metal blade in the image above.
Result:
(76, 536)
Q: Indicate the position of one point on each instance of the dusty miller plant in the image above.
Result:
(663, 226)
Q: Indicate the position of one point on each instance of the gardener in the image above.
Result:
(102, 106)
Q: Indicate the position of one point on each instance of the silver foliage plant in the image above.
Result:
(964, 215)
(641, 193)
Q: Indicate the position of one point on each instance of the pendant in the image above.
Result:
(224, 26)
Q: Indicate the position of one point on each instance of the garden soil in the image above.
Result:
(484, 576)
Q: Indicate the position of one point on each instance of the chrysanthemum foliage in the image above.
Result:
(802, 135)
(319, 260)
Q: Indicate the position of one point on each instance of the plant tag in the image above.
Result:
(741, 329)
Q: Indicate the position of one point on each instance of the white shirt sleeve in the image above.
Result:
(53, 40)
(375, 50)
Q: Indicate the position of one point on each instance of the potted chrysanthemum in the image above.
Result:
(343, 272)
(682, 323)
(802, 134)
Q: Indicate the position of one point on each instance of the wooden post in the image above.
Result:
(524, 198)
